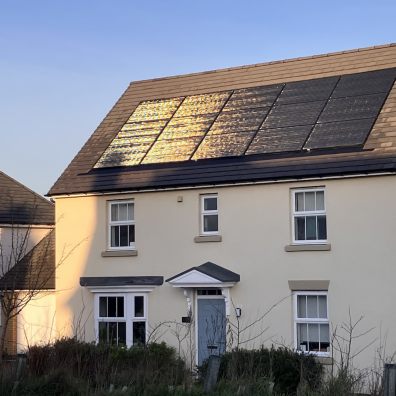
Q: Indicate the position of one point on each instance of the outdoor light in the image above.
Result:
(238, 312)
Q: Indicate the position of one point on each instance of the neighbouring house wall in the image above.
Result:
(11, 335)
(36, 323)
(255, 224)
(12, 240)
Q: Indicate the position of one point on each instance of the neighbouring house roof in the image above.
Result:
(325, 115)
(213, 270)
(36, 270)
(100, 281)
(20, 205)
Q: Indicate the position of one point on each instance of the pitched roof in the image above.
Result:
(20, 205)
(318, 116)
(36, 270)
(213, 270)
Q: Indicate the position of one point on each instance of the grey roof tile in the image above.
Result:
(215, 271)
(20, 205)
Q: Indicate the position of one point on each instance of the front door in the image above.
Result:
(211, 327)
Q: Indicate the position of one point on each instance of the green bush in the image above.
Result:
(101, 365)
(283, 367)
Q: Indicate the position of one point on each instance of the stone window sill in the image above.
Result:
(119, 253)
(207, 238)
(325, 360)
(308, 248)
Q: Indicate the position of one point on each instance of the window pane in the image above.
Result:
(309, 201)
(112, 307)
(131, 234)
(114, 212)
(300, 228)
(322, 231)
(312, 306)
(122, 212)
(313, 337)
(311, 227)
(322, 306)
(103, 332)
(299, 202)
(121, 333)
(325, 335)
(124, 235)
(302, 337)
(301, 306)
(103, 307)
(112, 333)
(139, 306)
(131, 214)
(211, 223)
(120, 307)
(115, 236)
(139, 333)
(320, 200)
(210, 203)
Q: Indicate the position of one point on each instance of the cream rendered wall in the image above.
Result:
(255, 225)
(36, 323)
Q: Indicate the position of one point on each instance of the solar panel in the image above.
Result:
(339, 134)
(249, 98)
(187, 126)
(312, 114)
(172, 150)
(224, 145)
(293, 114)
(184, 132)
(365, 83)
(138, 133)
(279, 139)
(351, 108)
(236, 125)
(307, 91)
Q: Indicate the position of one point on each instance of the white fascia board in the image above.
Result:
(219, 285)
(120, 289)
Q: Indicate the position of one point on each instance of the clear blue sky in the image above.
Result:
(63, 64)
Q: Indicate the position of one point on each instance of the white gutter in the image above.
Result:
(217, 185)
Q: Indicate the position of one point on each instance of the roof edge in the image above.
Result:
(39, 196)
(280, 61)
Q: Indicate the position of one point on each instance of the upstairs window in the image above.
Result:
(311, 322)
(309, 216)
(121, 225)
(209, 215)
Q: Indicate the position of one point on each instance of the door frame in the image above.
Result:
(206, 297)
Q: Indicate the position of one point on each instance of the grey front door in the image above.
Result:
(211, 327)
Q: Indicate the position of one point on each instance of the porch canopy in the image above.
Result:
(205, 275)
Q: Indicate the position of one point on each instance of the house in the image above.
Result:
(27, 265)
(238, 207)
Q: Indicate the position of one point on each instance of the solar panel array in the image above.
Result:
(314, 114)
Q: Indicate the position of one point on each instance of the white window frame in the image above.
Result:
(120, 223)
(101, 319)
(209, 212)
(129, 314)
(298, 320)
(307, 213)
